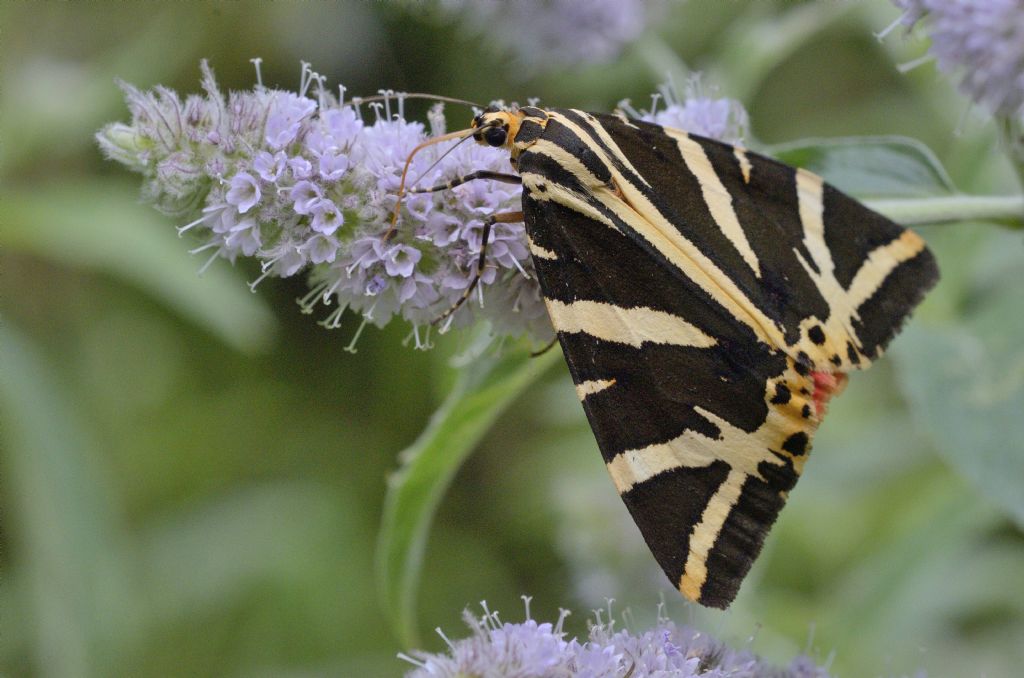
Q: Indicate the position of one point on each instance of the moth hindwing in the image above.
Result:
(709, 301)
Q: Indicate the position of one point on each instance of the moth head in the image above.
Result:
(495, 127)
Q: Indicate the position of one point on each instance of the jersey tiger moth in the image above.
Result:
(709, 302)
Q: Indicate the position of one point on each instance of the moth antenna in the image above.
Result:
(388, 95)
(443, 156)
(462, 135)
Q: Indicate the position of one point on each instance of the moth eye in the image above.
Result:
(495, 136)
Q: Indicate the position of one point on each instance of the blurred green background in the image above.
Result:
(193, 475)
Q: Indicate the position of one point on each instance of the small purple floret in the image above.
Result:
(244, 192)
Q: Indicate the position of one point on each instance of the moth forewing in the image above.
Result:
(709, 302)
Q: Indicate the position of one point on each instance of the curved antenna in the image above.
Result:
(442, 157)
(414, 95)
(461, 135)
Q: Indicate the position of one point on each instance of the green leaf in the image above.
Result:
(870, 167)
(879, 595)
(199, 559)
(966, 385)
(37, 117)
(69, 539)
(102, 226)
(482, 392)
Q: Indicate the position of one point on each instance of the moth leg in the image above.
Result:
(541, 351)
(458, 181)
(500, 218)
(472, 176)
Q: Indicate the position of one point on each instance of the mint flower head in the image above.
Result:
(696, 110)
(306, 183)
(554, 32)
(981, 42)
(532, 649)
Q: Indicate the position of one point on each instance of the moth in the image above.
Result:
(709, 301)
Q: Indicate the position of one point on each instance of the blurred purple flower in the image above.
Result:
(554, 32)
(981, 43)
(696, 110)
(376, 285)
(913, 10)
(532, 649)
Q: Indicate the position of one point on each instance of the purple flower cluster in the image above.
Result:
(554, 32)
(532, 649)
(981, 42)
(307, 183)
(697, 111)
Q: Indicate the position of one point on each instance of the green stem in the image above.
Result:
(1012, 138)
(951, 208)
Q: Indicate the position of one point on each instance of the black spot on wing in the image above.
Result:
(817, 335)
(782, 394)
(851, 353)
(666, 508)
(882, 315)
(796, 443)
(803, 364)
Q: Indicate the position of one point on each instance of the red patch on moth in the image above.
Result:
(826, 385)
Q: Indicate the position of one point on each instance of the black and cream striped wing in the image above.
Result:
(699, 293)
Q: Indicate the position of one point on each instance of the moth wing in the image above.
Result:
(703, 428)
(824, 278)
(701, 295)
